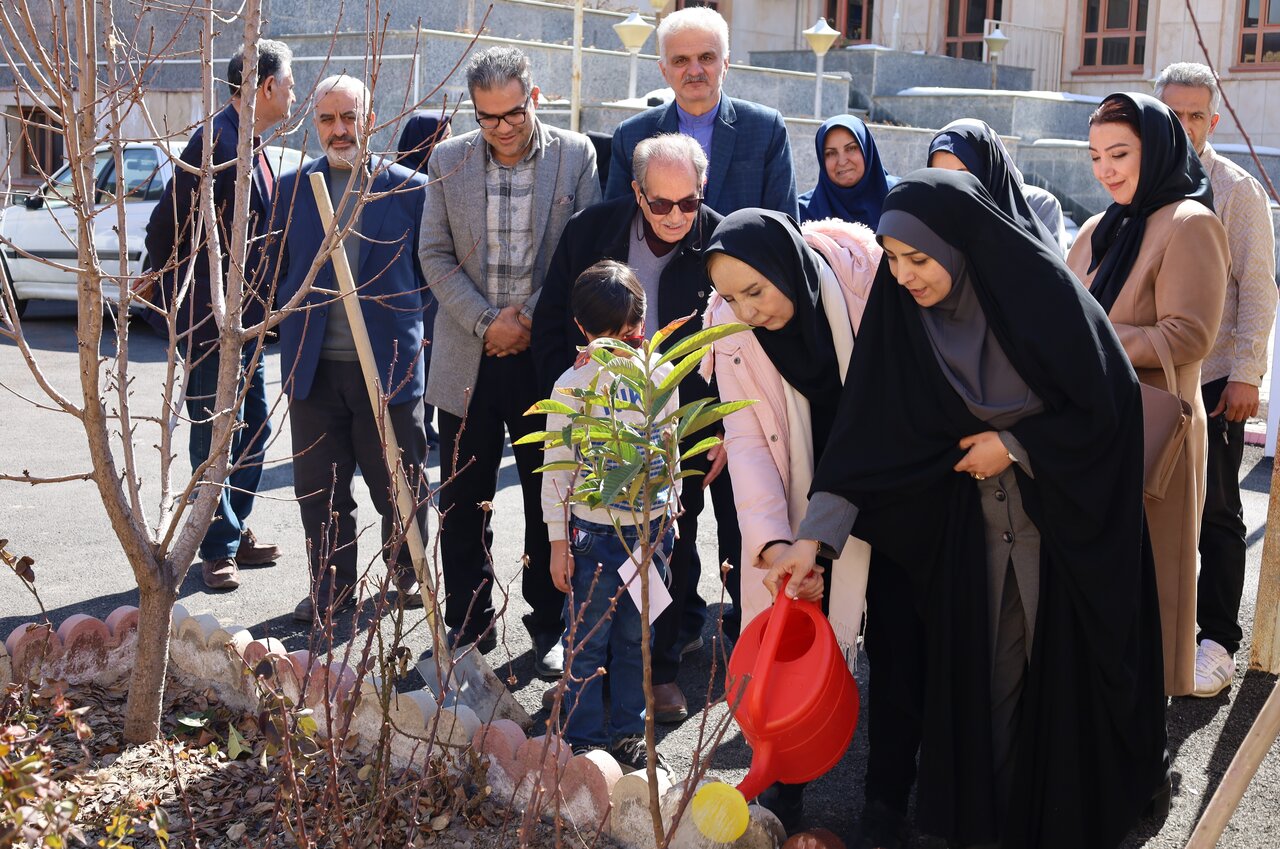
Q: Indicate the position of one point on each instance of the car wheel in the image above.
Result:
(7, 282)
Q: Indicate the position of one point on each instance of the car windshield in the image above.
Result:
(58, 191)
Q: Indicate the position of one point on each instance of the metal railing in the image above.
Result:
(1037, 48)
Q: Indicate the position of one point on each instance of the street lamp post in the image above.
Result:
(633, 32)
(995, 41)
(820, 37)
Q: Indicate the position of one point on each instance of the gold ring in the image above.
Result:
(979, 477)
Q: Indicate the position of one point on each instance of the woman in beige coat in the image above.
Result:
(1157, 261)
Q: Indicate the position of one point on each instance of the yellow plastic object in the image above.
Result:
(720, 812)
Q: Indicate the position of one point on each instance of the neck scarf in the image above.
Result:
(979, 147)
(771, 243)
(859, 203)
(1170, 172)
(967, 351)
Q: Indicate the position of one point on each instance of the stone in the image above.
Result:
(540, 763)
(121, 621)
(765, 830)
(85, 641)
(499, 742)
(411, 716)
(630, 822)
(6, 667)
(189, 643)
(818, 838)
(256, 650)
(586, 789)
(32, 648)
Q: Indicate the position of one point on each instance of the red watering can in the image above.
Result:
(792, 694)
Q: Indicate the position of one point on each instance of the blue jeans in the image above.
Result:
(617, 639)
(248, 444)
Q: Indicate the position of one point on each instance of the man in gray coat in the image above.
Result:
(497, 200)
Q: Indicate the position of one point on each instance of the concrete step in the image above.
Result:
(1029, 114)
(879, 72)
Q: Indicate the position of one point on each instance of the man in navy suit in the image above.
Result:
(334, 428)
(693, 49)
(749, 166)
(175, 243)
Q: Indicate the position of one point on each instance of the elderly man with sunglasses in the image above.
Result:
(497, 201)
(659, 229)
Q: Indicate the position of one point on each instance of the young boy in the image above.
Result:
(586, 553)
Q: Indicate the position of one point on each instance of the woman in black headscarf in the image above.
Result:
(1001, 468)
(971, 145)
(803, 292)
(1157, 262)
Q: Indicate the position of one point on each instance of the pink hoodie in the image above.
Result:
(757, 438)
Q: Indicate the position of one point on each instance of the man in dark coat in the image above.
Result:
(334, 428)
(176, 241)
(693, 48)
(659, 229)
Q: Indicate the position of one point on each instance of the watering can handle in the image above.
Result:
(769, 651)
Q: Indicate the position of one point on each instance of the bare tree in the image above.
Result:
(88, 62)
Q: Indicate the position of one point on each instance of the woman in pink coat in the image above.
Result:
(803, 292)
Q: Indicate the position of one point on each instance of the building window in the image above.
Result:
(1115, 33)
(710, 4)
(852, 18)
(965, 27)
(1260, 33)
(40, 143)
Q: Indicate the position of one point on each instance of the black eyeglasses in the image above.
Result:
(662, 206)
(515, 118)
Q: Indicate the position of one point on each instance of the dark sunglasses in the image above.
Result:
(662, 206)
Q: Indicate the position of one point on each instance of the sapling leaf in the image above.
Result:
(702, 338)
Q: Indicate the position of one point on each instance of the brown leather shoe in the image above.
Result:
(669, 706)
(220, 574)
(254, 553)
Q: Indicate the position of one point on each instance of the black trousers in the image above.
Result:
(335, 432)
(895, 647)
(729, 548)
(1222, 529)
(505, 388)
(687, 610)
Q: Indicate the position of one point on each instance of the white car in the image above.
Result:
(38, 233)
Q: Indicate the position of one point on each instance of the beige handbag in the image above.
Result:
(1166, 419)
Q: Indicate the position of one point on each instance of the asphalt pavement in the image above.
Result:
(81, 569)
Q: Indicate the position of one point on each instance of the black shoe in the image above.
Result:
(1157, 809)
(881, 828)
(548, 653)
(786, 801)
(306, 611)
(458, 640)
(632, 754)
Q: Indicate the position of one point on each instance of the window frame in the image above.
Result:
(840, 22)
(1132, 33)
(1262, 29)
(959, 41)
(41, 145)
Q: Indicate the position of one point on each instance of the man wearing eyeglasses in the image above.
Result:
(497, 201)
(745, 143)
(659, 229)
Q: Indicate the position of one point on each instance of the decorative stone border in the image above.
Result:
(591, 791)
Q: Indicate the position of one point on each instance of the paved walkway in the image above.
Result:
(80, 569)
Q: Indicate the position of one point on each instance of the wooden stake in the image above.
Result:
(1237, 777)
(473, 679)
(1265, 651)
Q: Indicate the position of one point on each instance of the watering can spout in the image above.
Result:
(758, 779)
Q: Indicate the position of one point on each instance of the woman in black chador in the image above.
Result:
(989, 443)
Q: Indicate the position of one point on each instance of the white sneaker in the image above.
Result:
(1215, 669)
